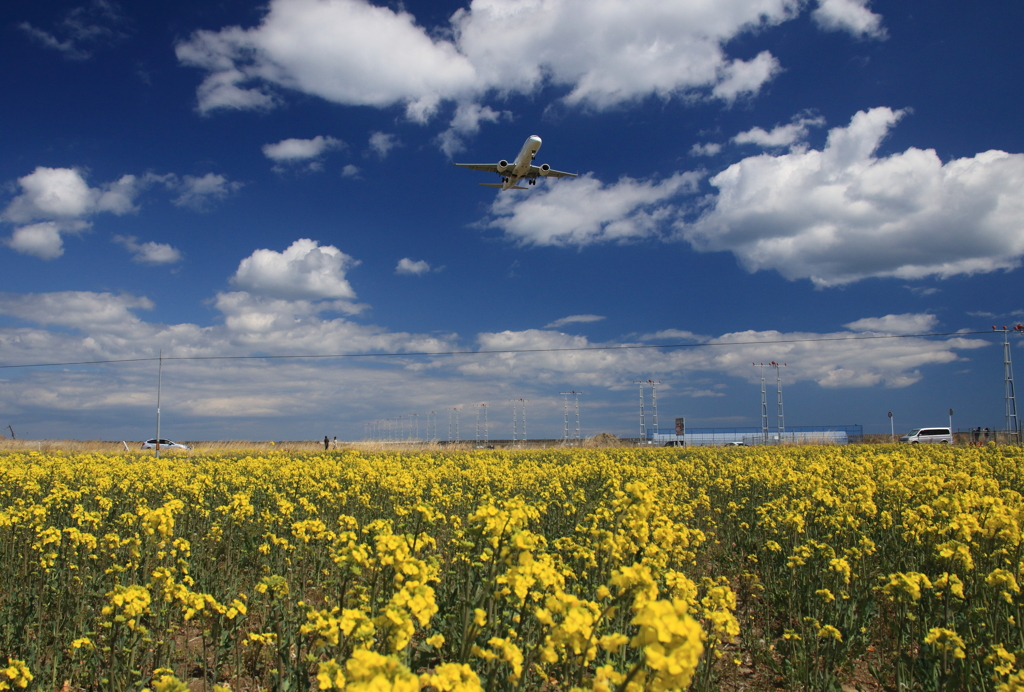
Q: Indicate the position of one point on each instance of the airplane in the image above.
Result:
(520, 169)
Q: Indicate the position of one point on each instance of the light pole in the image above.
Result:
(892, 427)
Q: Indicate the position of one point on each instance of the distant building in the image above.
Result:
(709, 437)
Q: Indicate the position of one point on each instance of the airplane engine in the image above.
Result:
(503, 165)
(544, 169)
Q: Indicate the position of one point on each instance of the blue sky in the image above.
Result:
(236, 179)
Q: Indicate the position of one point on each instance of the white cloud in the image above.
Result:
(381, 143)
(203, 397)
(907, 323)
(63, 194)
(200, 192)
(585, 211)
(849, 15)
(350, 171)
(414, 268)
(706, 149)
(672, 334)
(304, 271)
(83, 310)
(60, 200)
(780, 135)
(82, 30)
(40, 240)
(844, 214)
(601, 53)
(745, 78)
(149, 252)
(293, 150)
(465, 122)
(573, 319)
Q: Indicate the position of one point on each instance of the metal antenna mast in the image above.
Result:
(524, 419)
(778, 384)
(486, 434)
(764, 406)
(515, 421)
(643, 426)
(450, 424)
(478, 424)
(576, 399)
(416, 418)
(1011, 400)
(565, 405)
(654, 401)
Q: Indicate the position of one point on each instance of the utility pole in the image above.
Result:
(486, 434)
(159, 382)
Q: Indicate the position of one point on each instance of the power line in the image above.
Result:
(409, 354)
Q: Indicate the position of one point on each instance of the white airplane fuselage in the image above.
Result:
(521, 166)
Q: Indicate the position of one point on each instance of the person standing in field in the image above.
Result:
(327, 443)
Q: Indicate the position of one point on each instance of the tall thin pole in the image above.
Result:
(457, 425)
(159, 382)
(478, 425)
(486, 434)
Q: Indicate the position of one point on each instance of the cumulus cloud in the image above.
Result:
(586, 211)
(852, 16)
(410, 267)
(573, 319)
(350, 171)
(780, 135)
(382, 143)
(304, 271)
(42, 240)
(907, 323)
(301, 150)
(844, 213)
(60, 200)
(149, 252)
(600, 53)
(200, 193)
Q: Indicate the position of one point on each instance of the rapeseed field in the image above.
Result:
(801, 568)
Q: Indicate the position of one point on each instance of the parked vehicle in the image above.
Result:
(929, 435)
(164, 444)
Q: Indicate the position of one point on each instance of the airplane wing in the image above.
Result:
(485, 167)
(535, 172)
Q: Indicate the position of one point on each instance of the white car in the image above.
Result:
(929, 436)
(164, 444)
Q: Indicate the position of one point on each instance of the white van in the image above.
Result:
(932, 435)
